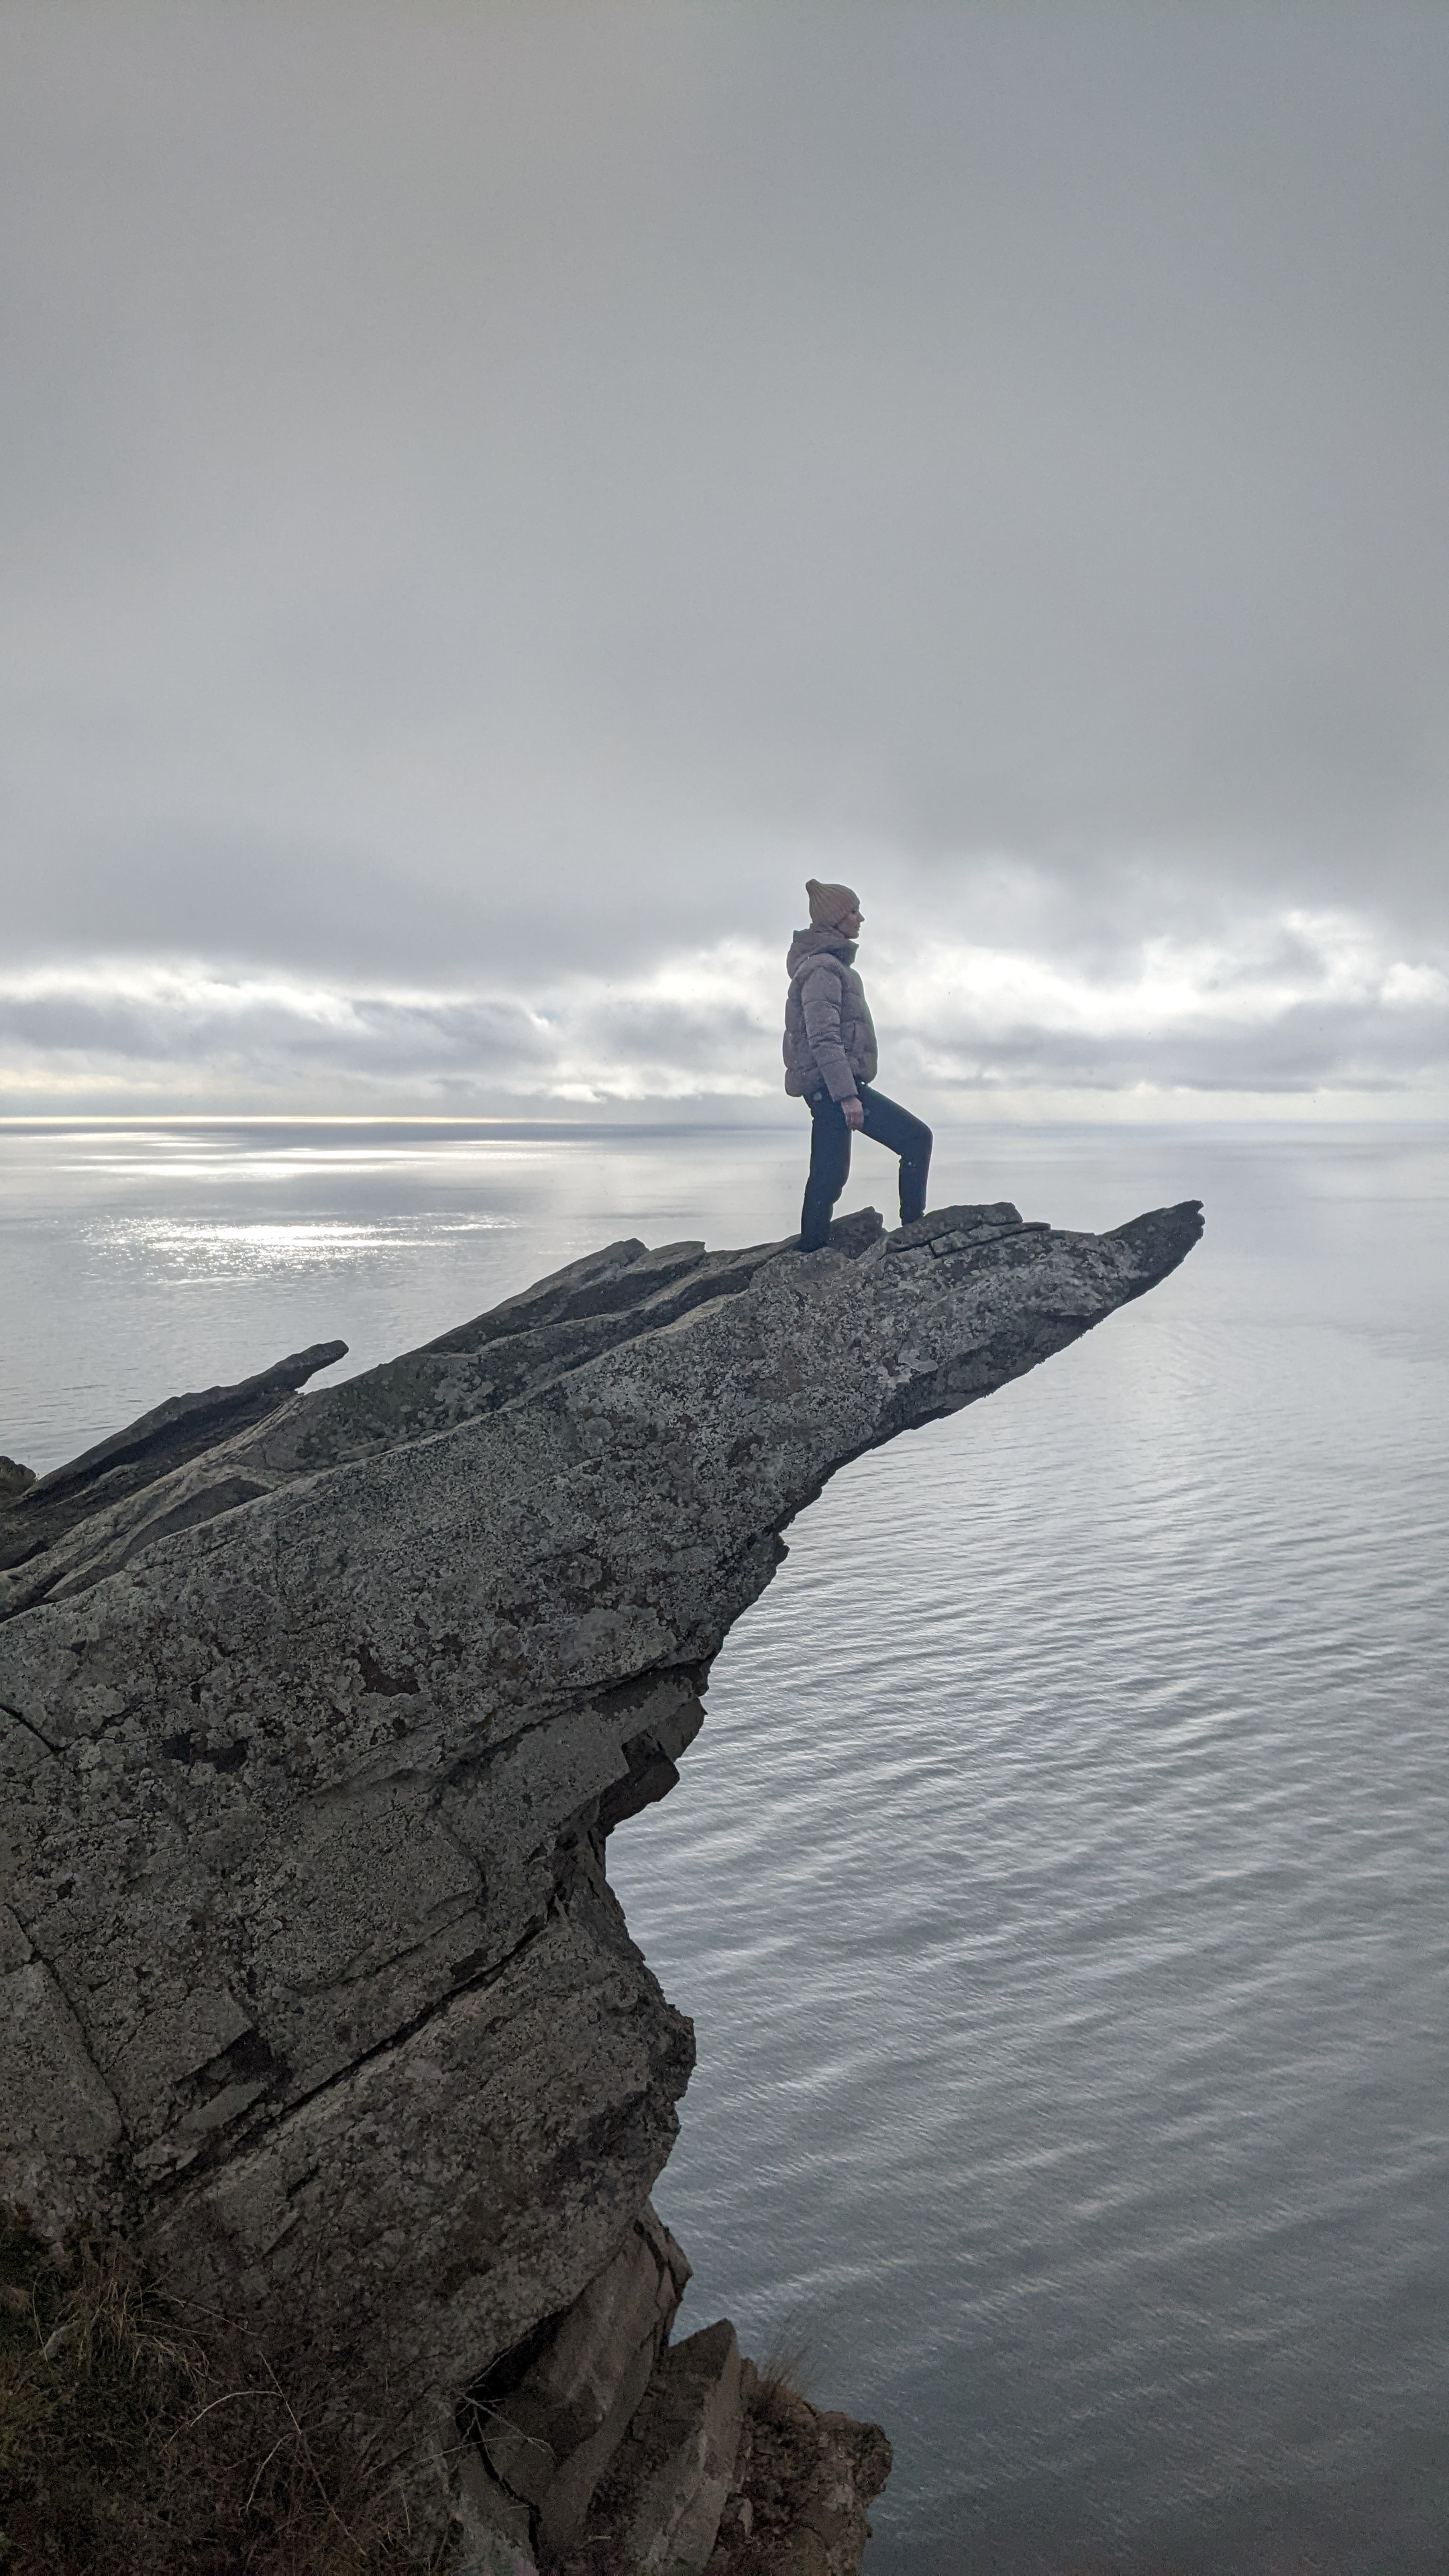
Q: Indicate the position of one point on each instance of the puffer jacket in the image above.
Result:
(829, 1038)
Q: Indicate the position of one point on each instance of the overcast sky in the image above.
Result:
(494, 496)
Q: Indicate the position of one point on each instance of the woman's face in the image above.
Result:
(850, 922)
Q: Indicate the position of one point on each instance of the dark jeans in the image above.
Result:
(830, 1159)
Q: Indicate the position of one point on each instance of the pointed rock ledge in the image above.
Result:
(315, 1712)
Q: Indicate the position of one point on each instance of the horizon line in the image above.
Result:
(1438, 1117)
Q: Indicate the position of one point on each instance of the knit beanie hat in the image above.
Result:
(830, 903)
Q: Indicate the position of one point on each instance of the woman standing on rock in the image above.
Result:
(830, 1061)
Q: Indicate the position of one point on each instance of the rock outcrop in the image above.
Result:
(315, 1714)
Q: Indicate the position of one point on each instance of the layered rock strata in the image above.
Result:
(315, 1714)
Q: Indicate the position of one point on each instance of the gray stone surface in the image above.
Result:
(803, 2484)
(39, 1510)
(312, 1726)
(549, 2419)
(676, 2467)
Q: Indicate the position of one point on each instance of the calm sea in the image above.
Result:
(1061, 1884)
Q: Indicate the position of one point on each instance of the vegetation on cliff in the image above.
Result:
(135, 2438)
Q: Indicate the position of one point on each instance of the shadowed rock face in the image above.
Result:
(41, 1510)
(316, 1713)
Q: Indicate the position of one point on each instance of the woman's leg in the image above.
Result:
(909, 1137)
(829, 1171)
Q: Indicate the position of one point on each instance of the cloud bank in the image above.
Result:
(1300, 1007)
(496, 494)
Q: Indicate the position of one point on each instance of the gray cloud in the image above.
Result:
(497, 494)
(1300, 1004)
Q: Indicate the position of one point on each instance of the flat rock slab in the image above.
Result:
(658, 2511)
(550, 2416)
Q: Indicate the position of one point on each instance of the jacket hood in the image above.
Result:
(817, 943)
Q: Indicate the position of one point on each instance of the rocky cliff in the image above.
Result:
(315, 1714)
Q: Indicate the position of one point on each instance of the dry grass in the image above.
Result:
(786, 2360)
(133, 2443)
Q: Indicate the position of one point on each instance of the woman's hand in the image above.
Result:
(853, 1112)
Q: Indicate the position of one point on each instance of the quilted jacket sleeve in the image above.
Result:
(820, 1004)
